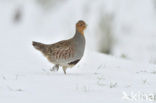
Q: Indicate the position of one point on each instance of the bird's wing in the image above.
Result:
(63, 50)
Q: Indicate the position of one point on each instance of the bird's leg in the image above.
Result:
(64, 69)
(55, 68)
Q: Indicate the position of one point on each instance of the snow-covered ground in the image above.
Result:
(98, 78)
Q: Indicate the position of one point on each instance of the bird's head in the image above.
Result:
(81, 26)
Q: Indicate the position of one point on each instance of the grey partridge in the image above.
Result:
(66, 53)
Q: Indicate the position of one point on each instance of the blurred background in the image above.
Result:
(122, 28)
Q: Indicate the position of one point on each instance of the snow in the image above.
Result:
(25, 75)
(92, 80)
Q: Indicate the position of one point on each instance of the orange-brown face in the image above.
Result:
(81, 26)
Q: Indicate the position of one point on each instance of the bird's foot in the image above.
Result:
(54, 68)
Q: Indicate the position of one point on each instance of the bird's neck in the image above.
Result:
(78, 38)
(78, 35)
(80, 31)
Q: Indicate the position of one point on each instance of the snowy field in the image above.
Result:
(25, 75)
(92, 81)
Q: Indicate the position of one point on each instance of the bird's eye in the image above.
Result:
(81, 24)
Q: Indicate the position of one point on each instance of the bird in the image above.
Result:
(65, 53)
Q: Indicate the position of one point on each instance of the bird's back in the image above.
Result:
(61, 52)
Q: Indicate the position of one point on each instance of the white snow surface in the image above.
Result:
(98, 78)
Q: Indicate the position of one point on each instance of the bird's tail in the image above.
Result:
(39, 46)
